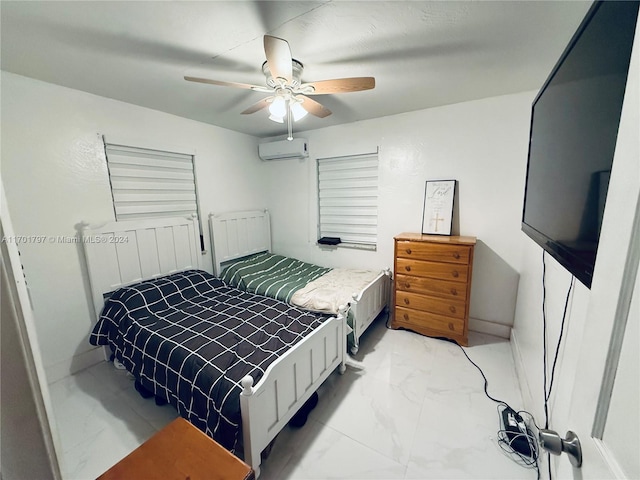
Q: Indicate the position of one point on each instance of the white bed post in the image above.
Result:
(342, 316)
(387, 272)
(97, 299)
(252, 450)
(355, 327)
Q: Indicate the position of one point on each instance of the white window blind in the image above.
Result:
(151, 183)
(348, 198)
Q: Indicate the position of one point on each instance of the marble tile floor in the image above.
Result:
(408, 407)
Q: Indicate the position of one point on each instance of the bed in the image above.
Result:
(230, 361)
(241, 246)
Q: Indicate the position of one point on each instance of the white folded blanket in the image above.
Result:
(333, 289)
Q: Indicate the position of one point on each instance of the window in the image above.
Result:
(348, 199)
(149, 183)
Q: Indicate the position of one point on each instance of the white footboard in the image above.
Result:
(287, 385)
(368, 304)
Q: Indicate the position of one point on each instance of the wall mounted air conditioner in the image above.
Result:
(296, 148)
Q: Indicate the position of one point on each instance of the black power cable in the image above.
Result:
(509, 441)
(547, 393)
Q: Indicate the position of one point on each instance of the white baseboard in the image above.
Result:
(490, 328)
(74, 364)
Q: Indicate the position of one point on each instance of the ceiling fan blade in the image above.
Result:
(313, 107)
(278, 57)
(340, 85)
(256, 107)
(229, 84)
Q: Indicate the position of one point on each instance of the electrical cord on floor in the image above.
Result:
(508, 439)
(520, 445)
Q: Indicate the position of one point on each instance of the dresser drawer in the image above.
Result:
(430, 286)
(442, 271)
(432, 321)
(430, 304)
(434, 252)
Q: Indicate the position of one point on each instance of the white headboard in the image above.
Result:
(238, 234)
(126, 252)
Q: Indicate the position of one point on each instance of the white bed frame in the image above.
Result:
(123, 253)
(239, 234)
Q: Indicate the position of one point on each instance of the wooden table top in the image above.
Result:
(179, 452)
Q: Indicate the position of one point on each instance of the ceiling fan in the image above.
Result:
(289, 97)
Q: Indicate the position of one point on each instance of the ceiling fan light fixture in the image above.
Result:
(298, 111)
(276, 119)
(278, 107)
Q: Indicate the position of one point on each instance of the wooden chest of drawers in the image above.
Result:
(433, 284)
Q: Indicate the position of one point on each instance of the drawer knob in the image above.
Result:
(406, 301)
(452, 309)
(409, 251)
(455, 274)
(454, 291)
(456, 255)
(407, 285)
(408, 268)
(405, 316)
(451, 326)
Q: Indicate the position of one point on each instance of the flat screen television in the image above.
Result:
(574, 126)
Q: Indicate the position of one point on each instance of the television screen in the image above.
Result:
(574, 125)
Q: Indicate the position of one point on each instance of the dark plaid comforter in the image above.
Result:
(190, 338)
(272, 275)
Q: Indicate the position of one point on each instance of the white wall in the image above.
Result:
(482, 144)
(55, 176)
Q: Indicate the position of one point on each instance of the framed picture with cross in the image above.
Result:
(437, 214)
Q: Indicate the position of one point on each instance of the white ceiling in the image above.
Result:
(422, 53)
